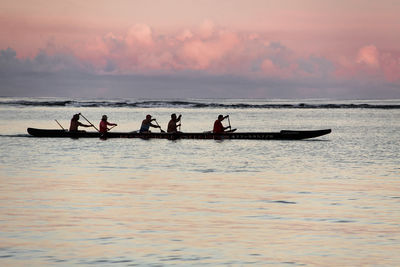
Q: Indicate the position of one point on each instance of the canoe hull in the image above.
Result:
(282, 135)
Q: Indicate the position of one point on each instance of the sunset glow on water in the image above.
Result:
(331, 201)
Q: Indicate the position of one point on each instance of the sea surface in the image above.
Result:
(329, 201)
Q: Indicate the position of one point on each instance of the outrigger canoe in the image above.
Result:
(282, 135)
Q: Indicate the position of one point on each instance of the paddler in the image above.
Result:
(75, 123)
(146, 124)
(104, 123)
(172, 125)
(218, 127)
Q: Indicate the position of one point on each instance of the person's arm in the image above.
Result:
(153, 125)
(84, 125)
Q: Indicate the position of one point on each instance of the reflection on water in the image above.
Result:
(170, 218)
(333, 201)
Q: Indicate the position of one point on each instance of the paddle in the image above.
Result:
(109, 129)
(89, 122)
(161, 130)
(180, 122)
(229, 121)
(60, 125)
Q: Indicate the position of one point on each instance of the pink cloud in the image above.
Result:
(95, 51)
(368, 55)
(272, 70)
(207, 29)
(139, 34)
(391, 66)
(185, 35)
(370, 63)
(213, 49)
(217, 50)
(201, 54)
(268, 67)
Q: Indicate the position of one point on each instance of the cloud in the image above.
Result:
(184, 35)
(139, 35)
(8, 61)
(370, 64)
(391, 66)
(42, 62)
(207, 29)
(314, 66)
(368, 55)
(64, 75)
(202, 54)
(207, 61)
(217, 50)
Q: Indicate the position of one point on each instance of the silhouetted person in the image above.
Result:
(172, 125)
(146, 124)
(218, 127)
(104, 123)
(73, 127)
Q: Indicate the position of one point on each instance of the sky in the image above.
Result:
(342, 49)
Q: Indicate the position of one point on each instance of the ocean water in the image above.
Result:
(328, 201)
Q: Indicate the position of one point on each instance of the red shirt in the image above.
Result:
(103, 126)
(218, 128)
